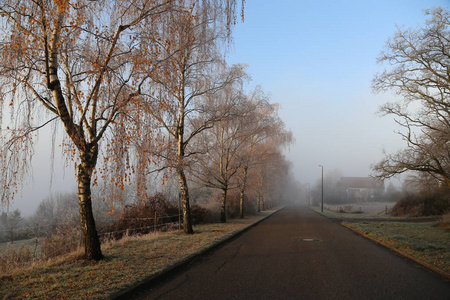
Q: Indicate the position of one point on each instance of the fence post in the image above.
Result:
(179, 210)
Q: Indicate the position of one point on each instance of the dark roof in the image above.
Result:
(361, 183)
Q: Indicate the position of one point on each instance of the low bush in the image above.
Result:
(445, 222)
(199, 214)
(213, 212)
(15, 257)
(142, 217)
(233, 205)
(423, 204)
(157, 213)
(233, 199)
(64, 240)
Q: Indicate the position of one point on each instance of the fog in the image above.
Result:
(43, 179)
(316, 59)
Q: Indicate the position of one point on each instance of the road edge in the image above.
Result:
(422, 263)
(145, 283)
(414, 259)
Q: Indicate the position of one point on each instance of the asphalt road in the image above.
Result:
(298, 254)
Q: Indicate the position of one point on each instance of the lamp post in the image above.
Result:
(308, 200)
(321, 208)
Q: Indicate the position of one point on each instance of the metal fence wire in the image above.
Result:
(74, 244)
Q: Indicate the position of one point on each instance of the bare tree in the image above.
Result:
(45, 219)
(180, 98)
(238, 142)
(419, 61)
(270, 181)
(267, 138)
(219, 164)
(14, 222)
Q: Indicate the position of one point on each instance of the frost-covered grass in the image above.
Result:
(127, 262)
(424, 242)
(374, 210)
(16, 244)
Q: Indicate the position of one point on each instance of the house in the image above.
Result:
(361, 189)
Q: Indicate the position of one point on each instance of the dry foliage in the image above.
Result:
(13, 258)
(64, 240)
(86, 66)
(445, 222)
(143, 217)
(423, 204)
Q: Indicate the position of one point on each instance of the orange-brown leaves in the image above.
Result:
(128, 70)
(62, 5)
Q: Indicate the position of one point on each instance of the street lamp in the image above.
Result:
(308, 200)
(321, 209)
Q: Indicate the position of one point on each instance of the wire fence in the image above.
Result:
(70, 239)
(156, 226)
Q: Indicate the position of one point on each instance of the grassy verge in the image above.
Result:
(29, 242)
(127, 263)
(360, 210)
(426, 243)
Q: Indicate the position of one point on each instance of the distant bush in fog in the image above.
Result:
(423, 203)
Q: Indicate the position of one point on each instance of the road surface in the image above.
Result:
(298, 254)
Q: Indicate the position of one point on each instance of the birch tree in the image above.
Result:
(74, 63)
(217, 166)
(237, 143)
(180, 99)
(268, 136)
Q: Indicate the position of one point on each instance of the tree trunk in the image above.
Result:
(242, 196)
(88, 153)
(187, 224)
(259, 201)
(241, 203)
(223, 206)
(92, 249)
(184, 189)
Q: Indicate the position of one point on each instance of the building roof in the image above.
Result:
(361, 183)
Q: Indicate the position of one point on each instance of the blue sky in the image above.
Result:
(317, 59)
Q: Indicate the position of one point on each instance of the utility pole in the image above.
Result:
(308, 195)
(321, 208)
